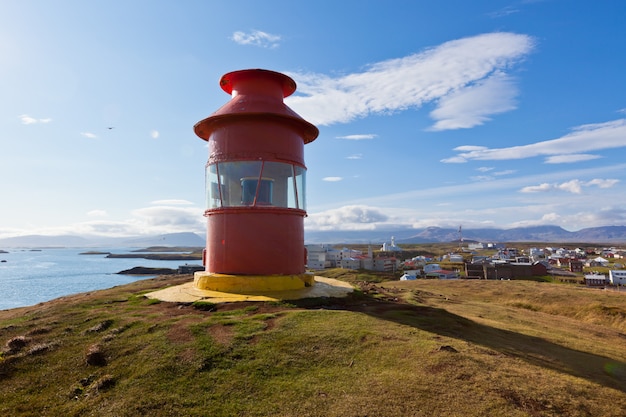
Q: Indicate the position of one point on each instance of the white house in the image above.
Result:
(595, 280)
(456, 258)
(599, 261)
(316, 256)
(617, 277)
(475, 246)
(350, 263)
(408, 277)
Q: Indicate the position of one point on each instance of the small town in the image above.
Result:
(599, 267)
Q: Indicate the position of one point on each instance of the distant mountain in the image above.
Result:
(599, 235)
(71, 241)
(170, 239)
(604, 234)
(31, 241)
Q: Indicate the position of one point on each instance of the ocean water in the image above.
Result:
(29, 277)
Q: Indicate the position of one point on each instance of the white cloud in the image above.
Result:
(607, 183)
(589, 137)
(470, 148)
(450, 75)
(568, 159)
(472, 106)
(154, 134)
(256, 38)
(505, 172)
(169, 219)
(332, 179)
(574, 186)
(28, 120)
(97, 213)
(357, 137)
(89, 135)
(347, 218)
(172, 202)
(355, 156)
(484, 169)
(538, 188)
(454, 160)
(505, 11)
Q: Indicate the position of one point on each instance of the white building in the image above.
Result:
(617, 277)
(455, 258)
(595, 280)
(408, 277)
(350, 263)
(316, 257)
(391, 248)
(475, 246)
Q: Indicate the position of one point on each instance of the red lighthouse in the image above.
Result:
(255, 187)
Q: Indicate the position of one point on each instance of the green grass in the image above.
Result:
(413, 348)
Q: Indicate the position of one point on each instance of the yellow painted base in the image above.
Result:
(189, 293)
(251, 283)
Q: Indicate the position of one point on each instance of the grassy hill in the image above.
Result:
(413, 348)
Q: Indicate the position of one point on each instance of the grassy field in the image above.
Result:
(411, 348)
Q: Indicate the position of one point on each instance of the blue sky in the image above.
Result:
(480, 114)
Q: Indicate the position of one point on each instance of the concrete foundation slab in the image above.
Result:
(189, 293)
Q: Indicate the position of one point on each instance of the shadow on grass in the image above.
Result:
(534, 350)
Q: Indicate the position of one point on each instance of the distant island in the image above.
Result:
(159, 253)
(142, 270)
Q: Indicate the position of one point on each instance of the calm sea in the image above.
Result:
(29, 277)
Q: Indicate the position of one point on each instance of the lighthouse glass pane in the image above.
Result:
(279, 176)
(212, 187)
(233, 176)
(300, 187)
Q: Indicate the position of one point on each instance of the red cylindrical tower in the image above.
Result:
(255, 179)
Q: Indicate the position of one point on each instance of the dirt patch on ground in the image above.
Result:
(221, 334)
(179, 332)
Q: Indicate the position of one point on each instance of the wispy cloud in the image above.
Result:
(89, 135)
(170, 218)
(97, 213)
(256, 38)
(505, 11)
(28, 120)
(347, 218)
(466, 79)
(574, 186)
(332, 179)
(492, 175)
(568, 148)
(172, 202)
(569, 159)
(474, 104)
(355, 156)
(154, 134)
(357, 137)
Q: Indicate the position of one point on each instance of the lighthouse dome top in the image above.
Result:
(256, 94)
(239, 78)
